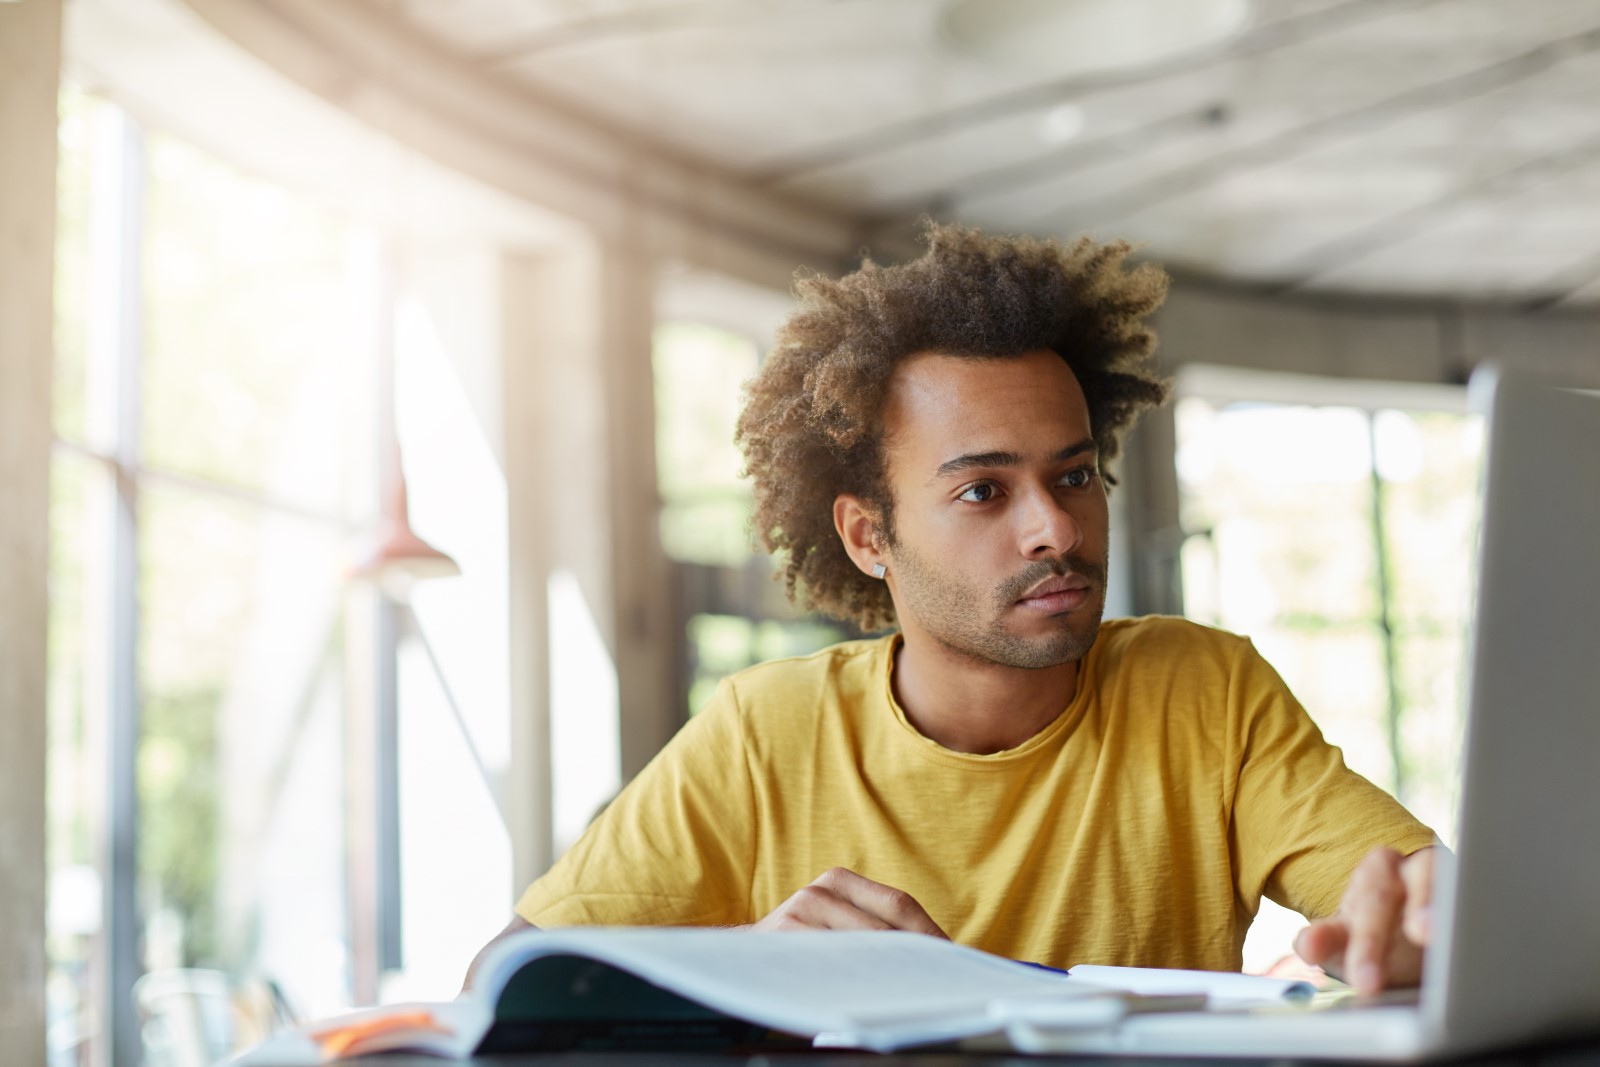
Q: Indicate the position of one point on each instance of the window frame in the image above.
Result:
(112, 437)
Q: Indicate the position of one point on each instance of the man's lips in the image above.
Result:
(1061, 593)
(1060, 583)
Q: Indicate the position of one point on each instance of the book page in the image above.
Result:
(450, 1030)
(1219, 986)
(810, 982)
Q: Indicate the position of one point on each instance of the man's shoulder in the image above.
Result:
(1169, 629)
(849, 665)
(1151, 641)
(1182, 678)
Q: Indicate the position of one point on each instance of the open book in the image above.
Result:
(597, 987)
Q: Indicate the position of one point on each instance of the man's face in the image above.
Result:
(1000, 527)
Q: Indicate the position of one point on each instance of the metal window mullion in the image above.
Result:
(1391, 670)
(120, 302)
(372, 714)
(386, 750)
(386, 739)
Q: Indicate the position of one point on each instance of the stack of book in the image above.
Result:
(661, 989)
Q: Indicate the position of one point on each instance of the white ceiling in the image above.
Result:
(1420, 148)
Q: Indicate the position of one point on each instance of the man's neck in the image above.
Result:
(968, 705)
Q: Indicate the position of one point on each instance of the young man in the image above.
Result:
(928, 444)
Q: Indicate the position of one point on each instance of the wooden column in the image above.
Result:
(30, 61)
(642, 641)
(534, 330)
(581, 493)
(1153, 534)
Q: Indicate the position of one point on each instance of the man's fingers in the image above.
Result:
(1372, 908)
(816, 907)
(841, 899)
(1322, 944)
(895, 907)
(1376, 938)
(1417, 873)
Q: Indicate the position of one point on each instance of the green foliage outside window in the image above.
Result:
(1337, 539)
(706, 505)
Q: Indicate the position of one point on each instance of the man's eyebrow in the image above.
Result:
(975, 460)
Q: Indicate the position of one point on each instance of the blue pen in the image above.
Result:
(1041, 966)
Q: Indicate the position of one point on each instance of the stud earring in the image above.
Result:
(879, 570)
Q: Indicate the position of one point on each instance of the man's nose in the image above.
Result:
(1048, 528)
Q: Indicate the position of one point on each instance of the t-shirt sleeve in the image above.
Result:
(1300, 820)
(674, 849)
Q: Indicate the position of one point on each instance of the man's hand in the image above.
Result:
(1376, 938)
(843, 900)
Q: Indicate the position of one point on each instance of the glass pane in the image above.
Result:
(1337, 672)
(1431, 668)
(720, 645)
(74, 208)
(240, 759)
(585, 738)
(700, 373)
(248, 329)
(1279, 502)
(705, 529)
(455, 849)
(1430, 462)
(1285, 494)
(80, 555)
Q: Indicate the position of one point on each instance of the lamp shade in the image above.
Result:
(398, 558)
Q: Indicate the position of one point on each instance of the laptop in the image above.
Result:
(1516, 955)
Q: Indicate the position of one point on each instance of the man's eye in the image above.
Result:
(1079, 478)
(981, 493)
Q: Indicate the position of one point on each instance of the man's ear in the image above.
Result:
(858, 524)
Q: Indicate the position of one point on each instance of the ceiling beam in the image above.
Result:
(1403, 225)
(622, 187)
(1053, 165)
(1565, 284)
(1440, 93)
(1259, 40)
(627, 22)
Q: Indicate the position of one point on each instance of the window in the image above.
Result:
(215, 679)
(1335, 527)
(705, 504)
(206, 485)
(735, 614)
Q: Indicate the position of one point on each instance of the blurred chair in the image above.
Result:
(185, 1017)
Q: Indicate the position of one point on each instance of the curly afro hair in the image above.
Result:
(811, 427)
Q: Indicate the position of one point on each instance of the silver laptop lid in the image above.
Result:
(1520, 955)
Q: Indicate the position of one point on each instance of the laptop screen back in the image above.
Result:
(1522, 957)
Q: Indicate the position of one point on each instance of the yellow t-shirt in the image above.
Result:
(1141, 827)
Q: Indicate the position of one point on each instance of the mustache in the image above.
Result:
(1034, 573)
